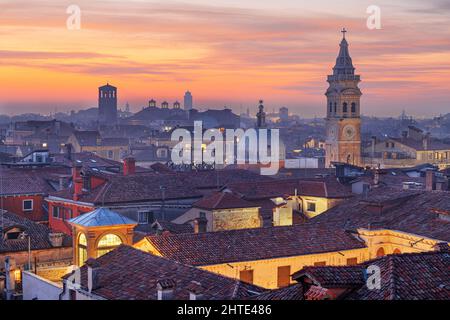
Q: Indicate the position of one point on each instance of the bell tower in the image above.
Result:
(343, 122)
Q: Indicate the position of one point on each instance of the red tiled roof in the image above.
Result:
(253, 244)
(39, 235)
(317, 293)
(147, 186)
(416, 276)
(324, 187)
(222, 200)
(17, 181)
(407, 211)
(333, 276)
(292, 292)
(130, 274)
(433, 144)
(412, 276)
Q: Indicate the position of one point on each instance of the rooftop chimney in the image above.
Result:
(77, 181)
(56, 239)
(373, 146)
(200, 224)
(195, 291)
(93, 274)
(425, 141)
(129, 166)
(376, 177)
(165, 289)
(69, 151)
(10, 267)
(430, 180)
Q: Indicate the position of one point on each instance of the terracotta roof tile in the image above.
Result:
(222, 200)
(253, 244)
(130, 274)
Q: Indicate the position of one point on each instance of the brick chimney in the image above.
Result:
(430, 180)
(425, 141)
(56, 239)
(77, 181)
(165, 289)
(195, 290)
(93, 274)
(129, 166)
(200, 224)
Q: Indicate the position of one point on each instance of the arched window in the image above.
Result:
(335, 107)
(331, 107)
(380, 252)
(344, 107)
(397, 251)
(353, 107)
(82, 249)
(107, 243)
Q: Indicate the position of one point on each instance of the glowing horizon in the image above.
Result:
(224, 52)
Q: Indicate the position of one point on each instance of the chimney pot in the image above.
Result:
(195, 290)
(200, 224)
(165, 289)
(93, 274)
(77, 181)
(430, 180)
(56, 239)
(129, 166)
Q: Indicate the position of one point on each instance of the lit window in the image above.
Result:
(82, 249)
(107, 243)
(27, 205)
(18, 275)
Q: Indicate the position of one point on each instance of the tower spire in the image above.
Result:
(344, 31)
(344, 64)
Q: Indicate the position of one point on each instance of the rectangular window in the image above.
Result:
(284, 276)
(320, 264)
(246, 276)
(143, 218)
(27, 205)
(56, 212)
(352, 261)
(311, 206)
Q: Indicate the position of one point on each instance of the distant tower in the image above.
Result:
(152, 104)
(343, 122)
(188, 101)
(107, 104)
(127, 107)
(176, 105)
(284, 114)
(261, 116)
(165, 105)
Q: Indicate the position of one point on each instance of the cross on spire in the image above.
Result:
(344, 31)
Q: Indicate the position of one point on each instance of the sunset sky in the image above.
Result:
(226, 52)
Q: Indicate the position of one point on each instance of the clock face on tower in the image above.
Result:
(349, 132)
